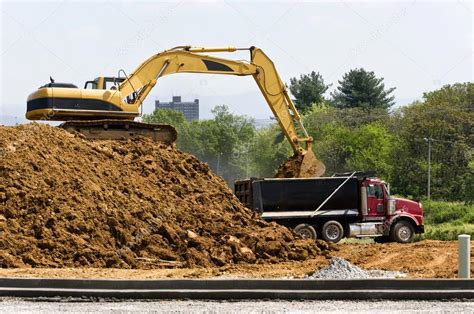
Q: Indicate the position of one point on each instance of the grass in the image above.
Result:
(447, 220)
(438, 212)
(446, 231)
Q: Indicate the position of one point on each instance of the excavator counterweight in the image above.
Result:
(106, 107)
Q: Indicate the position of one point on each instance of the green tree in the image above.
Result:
(165, 116)
(372, 148)
(324, 114)
(364, 148)
(174, 118)
(268, 151)
(362, 89)
(308, 90)
(344, 137)
(223, 142)
(445, 115)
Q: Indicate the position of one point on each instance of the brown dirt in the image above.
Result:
(426, 259)
(69, 202)
(290, 168)
(299, 166)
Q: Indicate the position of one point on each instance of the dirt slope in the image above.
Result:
(69, 202)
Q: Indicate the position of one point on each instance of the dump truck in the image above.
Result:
(331, 208)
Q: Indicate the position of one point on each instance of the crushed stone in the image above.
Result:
(339, 268)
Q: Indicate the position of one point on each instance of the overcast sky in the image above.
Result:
(417, 46)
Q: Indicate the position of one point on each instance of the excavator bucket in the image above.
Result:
(311, 166)
(301, 166)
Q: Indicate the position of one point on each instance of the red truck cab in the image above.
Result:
(392, 210)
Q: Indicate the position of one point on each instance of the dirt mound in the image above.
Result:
(69, 202)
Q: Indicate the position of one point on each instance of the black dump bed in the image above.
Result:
(284, 195)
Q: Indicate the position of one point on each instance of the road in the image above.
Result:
(11, 305)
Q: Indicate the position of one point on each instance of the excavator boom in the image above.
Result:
(95, 107)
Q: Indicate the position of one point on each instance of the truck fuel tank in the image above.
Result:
(366, 229)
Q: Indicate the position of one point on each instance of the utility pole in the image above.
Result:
(430, 142)
(428, 192)
(247, 163)
(245, 150)
(218, 162)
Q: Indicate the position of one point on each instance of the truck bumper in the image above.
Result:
(420, 229)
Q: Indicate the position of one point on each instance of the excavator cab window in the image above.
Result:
(109, 84)
(112, 82)
(90, 85)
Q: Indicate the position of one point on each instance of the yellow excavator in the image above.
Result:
(107, 106)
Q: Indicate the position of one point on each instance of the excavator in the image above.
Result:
(107, 106)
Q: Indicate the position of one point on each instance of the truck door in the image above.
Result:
(375, 200)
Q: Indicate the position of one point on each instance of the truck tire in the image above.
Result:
(402, 232)
(332, 231)
(306, 231)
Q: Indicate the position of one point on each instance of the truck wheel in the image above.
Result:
(332, 231)
(402, 232)
(306, 231)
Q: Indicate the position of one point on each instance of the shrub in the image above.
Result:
(437, 212)
(446, 232)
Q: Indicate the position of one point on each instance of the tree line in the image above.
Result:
(355, 128)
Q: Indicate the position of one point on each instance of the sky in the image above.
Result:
(416, 46)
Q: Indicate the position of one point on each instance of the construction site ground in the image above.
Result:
(74, 208)
(424, 259)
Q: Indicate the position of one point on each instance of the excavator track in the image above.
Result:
(109, 129)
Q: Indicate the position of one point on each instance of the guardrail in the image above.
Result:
(238, 289)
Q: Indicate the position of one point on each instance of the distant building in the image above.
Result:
(190, 109)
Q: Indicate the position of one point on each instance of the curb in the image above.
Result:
(241, 289)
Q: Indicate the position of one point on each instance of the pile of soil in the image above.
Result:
(70, 202)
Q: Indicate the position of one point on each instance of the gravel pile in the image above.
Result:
(339, 268)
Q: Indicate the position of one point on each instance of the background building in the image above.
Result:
(190, 109)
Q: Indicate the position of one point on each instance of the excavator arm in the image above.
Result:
(190, 60)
